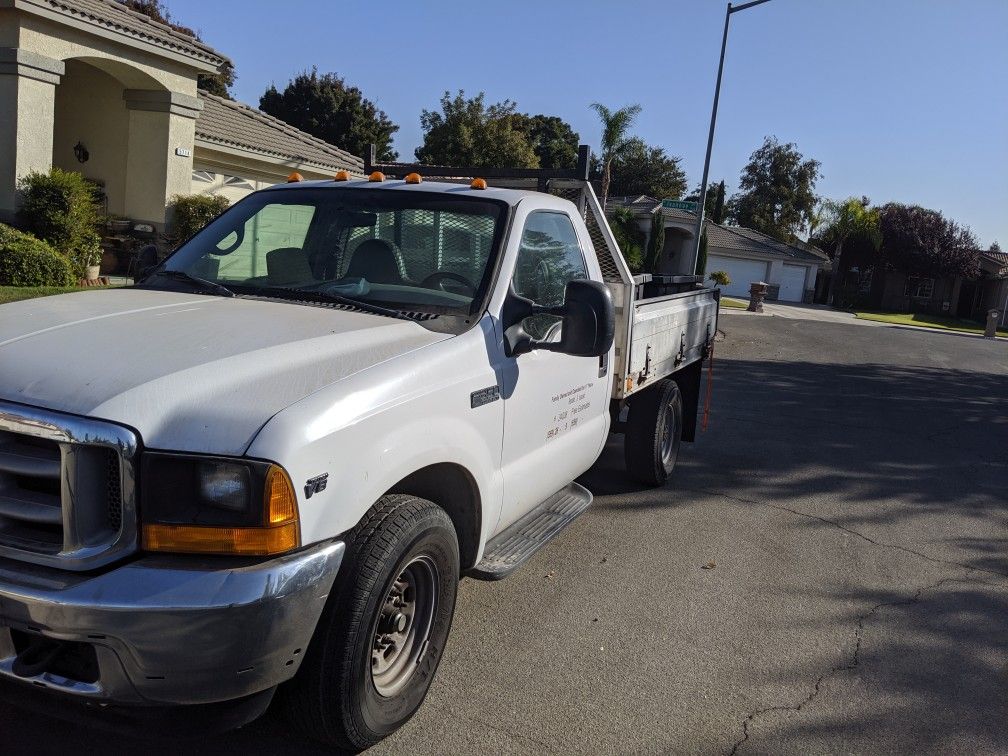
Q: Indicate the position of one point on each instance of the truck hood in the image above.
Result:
(189, 372)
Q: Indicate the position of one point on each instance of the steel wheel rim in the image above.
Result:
(668, 435)
(405, 620)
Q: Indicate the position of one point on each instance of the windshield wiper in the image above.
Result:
(181, 275)
(300, 295)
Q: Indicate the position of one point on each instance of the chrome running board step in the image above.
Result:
(511, 548)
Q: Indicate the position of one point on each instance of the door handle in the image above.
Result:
(603, 365)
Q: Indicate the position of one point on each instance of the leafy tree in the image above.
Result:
(923, 242)
(218, 83)
(840, 221)
(552, 138)
(615, 125)
(777, 193)
(468, 132)
(719, 204)
(642, 169)
(629, 237)
(656, 242)
(714, 202)
(327, 107)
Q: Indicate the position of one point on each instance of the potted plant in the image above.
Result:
(87, 258)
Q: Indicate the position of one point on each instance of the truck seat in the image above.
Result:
(375, 260)
(288, 265)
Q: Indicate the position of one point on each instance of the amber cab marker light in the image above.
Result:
(342, 176)
(295, 177)
(280, 534)
(478, 183)
(413, 178)
(376, 176)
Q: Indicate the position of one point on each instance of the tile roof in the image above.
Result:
(748, 240)
(114, 16)
(997, 261)
(234, 124)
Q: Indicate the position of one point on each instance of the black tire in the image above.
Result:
(653, 433)
(335, 698)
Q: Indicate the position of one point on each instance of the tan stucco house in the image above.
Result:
(90, 86)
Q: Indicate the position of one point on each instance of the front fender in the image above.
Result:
(378, 426)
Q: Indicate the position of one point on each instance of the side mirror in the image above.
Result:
(587, 315)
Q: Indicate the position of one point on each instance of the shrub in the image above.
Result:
(59, 207)
(628, 236)
(27, 261)
(720, 277)
(190, 213)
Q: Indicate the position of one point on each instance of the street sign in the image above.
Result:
(680, 205)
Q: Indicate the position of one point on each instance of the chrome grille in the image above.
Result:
(66, 488)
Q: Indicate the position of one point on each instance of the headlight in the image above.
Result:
(216, 505)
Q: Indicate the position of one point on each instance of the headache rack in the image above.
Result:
(570, 184)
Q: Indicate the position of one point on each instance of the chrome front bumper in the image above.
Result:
(172, 630)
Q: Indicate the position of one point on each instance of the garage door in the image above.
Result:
(740, 272)
(792, 283)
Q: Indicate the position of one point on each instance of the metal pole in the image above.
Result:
(713, 120)
(710, 144)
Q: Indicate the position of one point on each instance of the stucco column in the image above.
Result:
(27, 101)
(162, 131)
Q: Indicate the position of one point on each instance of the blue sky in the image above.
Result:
(902, 100)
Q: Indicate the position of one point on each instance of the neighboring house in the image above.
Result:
(790, 270)
(956, 296)
(92, 87)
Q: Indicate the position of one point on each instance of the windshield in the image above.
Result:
(410, 250)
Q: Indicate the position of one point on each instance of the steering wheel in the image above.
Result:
(438, 275)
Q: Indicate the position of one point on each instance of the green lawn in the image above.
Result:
(928, 321)
(738, 304)
(14, 293)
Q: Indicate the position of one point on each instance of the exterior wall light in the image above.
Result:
(81, 153)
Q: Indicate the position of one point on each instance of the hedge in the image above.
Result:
(27, 261)
(59, 207)
(190, 213)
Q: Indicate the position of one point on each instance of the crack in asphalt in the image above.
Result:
(855, 658)
(849, 531)
(849, 666)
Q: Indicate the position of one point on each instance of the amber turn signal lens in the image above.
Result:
(376, 176)
(294, 177)
(413, 178)
(342, 176)
(478, 183)
(280, 533)
(201, 539)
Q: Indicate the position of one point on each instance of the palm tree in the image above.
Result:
(615, 125)
(842, 220)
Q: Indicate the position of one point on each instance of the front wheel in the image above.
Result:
(653, 432)
(380, 641)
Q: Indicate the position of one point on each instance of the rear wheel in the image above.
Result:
(380, 640)
(653, 433)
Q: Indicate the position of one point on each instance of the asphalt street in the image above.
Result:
(827, 572)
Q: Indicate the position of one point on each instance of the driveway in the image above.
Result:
(827, 572)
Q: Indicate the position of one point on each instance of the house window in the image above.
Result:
(918, 288)
(239, 183)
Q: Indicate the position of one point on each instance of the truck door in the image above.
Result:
(555, 405)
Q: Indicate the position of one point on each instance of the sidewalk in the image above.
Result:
(826, 314)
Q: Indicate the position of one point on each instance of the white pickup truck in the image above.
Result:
(266, 466)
